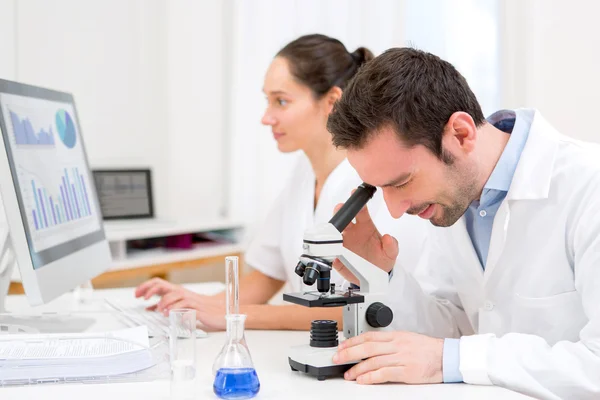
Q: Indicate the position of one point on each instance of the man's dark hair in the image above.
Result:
(411, 91)
(322, 62)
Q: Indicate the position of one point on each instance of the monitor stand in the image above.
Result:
(37, 323)
(7, 265)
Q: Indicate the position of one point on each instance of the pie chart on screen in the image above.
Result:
(66, 128)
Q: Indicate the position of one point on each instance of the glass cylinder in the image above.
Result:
(182, 352)
(233, 286)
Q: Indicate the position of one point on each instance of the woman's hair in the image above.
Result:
(321, 62)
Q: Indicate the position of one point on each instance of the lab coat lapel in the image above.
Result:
(498, 238)
(531, 181)
(464, 245)
(535, 169)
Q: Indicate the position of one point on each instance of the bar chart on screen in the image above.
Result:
(55, 201)
(56, 206)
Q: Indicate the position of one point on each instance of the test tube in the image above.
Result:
(232, 282)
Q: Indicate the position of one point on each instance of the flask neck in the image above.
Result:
(235, 326)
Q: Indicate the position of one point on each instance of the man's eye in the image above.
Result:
(282, 102)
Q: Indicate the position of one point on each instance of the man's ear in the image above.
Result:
(460, 133)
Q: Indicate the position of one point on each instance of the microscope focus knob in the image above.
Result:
(379, 315)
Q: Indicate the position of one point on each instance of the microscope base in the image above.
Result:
(317, 362)
(321, 373)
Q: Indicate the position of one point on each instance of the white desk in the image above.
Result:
(268, 349)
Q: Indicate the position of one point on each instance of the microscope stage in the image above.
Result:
(316, 299)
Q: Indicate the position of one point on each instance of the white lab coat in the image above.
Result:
(536, 308)
(278, 245)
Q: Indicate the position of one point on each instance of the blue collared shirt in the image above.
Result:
(480, 214)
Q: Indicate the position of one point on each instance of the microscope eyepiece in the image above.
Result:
(352, 206)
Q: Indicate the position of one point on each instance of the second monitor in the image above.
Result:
(125, 193)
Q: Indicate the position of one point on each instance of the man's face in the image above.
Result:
(416, 181)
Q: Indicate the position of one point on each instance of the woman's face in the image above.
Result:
(297, 120)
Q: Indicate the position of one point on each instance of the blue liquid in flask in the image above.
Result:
(236, 383)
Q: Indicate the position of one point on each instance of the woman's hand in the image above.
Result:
(173, 296)
(155, 286)
(210, 310)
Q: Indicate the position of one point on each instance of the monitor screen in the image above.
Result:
(49, 170)
(124, 194)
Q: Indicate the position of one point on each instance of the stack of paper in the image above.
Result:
(70, 356)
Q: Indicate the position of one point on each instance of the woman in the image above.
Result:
(302, 84)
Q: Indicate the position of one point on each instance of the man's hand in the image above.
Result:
(392, 357)
(363, 239)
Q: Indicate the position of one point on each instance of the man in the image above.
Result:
(509, 293)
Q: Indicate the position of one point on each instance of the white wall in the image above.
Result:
(555, 50)
(148, 78)
(7, 39)
(197, 51)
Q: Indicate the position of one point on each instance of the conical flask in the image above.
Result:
(235, 376)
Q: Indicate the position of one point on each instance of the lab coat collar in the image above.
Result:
(534, 171)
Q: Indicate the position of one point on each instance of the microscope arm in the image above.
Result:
(371, 278)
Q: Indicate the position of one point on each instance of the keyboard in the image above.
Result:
(157, 324)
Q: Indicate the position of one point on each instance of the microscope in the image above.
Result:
(364, 309)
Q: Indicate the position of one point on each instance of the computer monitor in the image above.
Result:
(51, 224)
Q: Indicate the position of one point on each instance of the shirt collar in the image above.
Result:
(503, 173)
